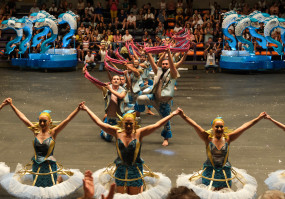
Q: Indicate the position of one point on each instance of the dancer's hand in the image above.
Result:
(177, 111)
(267, 116)
(88, 184)
(82, 106)
(111, 192)
(261, 115)
(108, 86)
(8, 100)
(84, 69)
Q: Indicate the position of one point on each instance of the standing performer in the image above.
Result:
(163, 90)
(114, 96)
(45, 168)
(217, 174)
(128, 174)
(276, 180)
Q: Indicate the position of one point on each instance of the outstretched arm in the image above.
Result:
(135, 70)
(199, 130)
(177, 65)
(84, 70)
(104, 126)
(236, 133)
(4, 103)
(151, 128)
(22, 117)
(279, 124)
(55, 131)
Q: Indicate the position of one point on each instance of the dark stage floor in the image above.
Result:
(238, 98)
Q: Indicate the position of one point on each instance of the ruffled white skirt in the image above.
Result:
(21, 186)
(156, 188)
(238, 191)
(276, 180)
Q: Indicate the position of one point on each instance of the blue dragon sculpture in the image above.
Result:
(70, 18)
(229, 19)
(27, 26)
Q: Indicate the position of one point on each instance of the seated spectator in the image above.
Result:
(140, 18)
(272, 194)
(80, 53)
(179, 18)
(44, 7)
(80, 7)
(127, 37)
(117, 24)
(149, 19)
(131, 21)
(177, 27)
(162, 18)
(102, 53)
(110, 36)
(86, 19)
(159, 30)
(196, 14)
(171, 8)
(126, 6)
(262, 5)
(90, 9)
(113, 9)
(210, 61)
(97, 12)
(208, 32)
(33, 9)
(134, 9)
(198, 33)
(86, 43)
(53, 9)
(70, 7)
(217, 17)
(82, 29)
(90, 61)
(207, 18)
(122, 18)
(117, 40)
(162, 5)
(197, 21)
(179, 7)
(145, 37)
(227, 46)
(182, 192)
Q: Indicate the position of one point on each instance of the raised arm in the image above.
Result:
(55, 131)
(177, 65)
(20, 115)
(136, 71)
(104, 126)
(119, 95)
(236, 133)
(151, 128)
(173, 70)
(4, 103)
(279, 124)
(152, 63)
(84, 70)
(199, 130)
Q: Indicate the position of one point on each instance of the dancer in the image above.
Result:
(114, 96)
(217, 171)
(129, 174)
(162, 91)
(45, 169)
(276, 180)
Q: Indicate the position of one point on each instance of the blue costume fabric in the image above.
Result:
(220, 164)
(104, 135)
(129, 164)
(44, 159)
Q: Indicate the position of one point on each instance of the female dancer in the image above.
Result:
(276, 180)
(129, 175)
(217, 171)
(45, 169)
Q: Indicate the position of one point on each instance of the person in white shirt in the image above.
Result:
(149, 19)
(35, 8)
(90, 9)
(211, 61)
(102, 53)
(131, 20)
(90, 61)
(127, 36)
(53, 9)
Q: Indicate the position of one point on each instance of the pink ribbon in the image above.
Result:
(93, 79)
(110, 68)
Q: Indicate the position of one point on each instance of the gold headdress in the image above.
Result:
(226, 129)
(36, 127)
(120, 123)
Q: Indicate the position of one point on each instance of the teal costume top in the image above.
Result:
(44, 163)
(129, 164)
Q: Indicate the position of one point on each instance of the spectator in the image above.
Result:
(210, 61)
(196, 14)
(208, 32)
(86, 19)
(272, 194)
(44, 7)
(118, 40)
(127, 37)
(274, 9)
(159, 30)
(90, 9)
(171, 8)
(33, 9)
(217, 17)
(197, 21)
(113, 9)
(179, 7)
(131, 20)
(98, 12)
(149, 19)
(122, 17)
(198, 33)
(162, 17)
(162, 5)
(90, 61)
(140, 18)
(53, 9)
(207, 18)
(86, 43)
(134, 9)
(80, 53)
(262, 5)
(217, 32)
(145, 37)
(80, 7)
(70, 7)
(82, 29)
(102, 53)
(182, 192)
(177, 27)
(126, 6)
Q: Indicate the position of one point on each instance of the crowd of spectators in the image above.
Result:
(114, 23)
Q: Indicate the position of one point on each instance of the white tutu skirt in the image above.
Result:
(156, 188)
(21, 187)
(276, 180)
(239, 191)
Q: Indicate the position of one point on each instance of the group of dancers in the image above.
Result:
(144, 83)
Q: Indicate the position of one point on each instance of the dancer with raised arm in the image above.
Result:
(45, 171)
(128, 171)
(162, 91)
(276, 180)
(114, 96)
(217, 175)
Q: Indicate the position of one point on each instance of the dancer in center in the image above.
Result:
(217, 174)
(129, 174)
